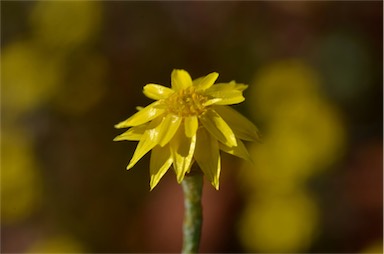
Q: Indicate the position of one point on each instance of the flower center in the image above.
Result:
(186, 102)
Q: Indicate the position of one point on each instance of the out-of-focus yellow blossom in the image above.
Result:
(20, 180)
(65, 25)
(29, 90)
(303, 130)
(189, 122)
(279, 225)
(303, 135)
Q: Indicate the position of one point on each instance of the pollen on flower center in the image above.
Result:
(187, 102)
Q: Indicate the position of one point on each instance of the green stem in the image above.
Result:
(193, 215)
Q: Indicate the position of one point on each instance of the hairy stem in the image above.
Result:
(193, 215)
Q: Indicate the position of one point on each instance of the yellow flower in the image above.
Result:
(189, 122)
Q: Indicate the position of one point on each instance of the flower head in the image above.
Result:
(189, 122)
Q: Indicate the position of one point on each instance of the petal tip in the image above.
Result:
(152, 184)
(233, 141)
(130, 165)
(118, 126)
(215, 75)
(216, 185)
(179, 179)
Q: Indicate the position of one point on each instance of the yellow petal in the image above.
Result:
(180, 79)
(168, 128)
(143, 116)
(229, 93)
(227, 86)
(241, 126)
(197, 81)
(182, 150)
(135, 133)
(240, 150)
(211, 102)
(207, 156)
(207, 81)
(159, 164)
(218, 128)
(157, 92)
(227, 97)
(191, 124)
(147, 142)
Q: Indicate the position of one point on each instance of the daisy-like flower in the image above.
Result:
(189, 122)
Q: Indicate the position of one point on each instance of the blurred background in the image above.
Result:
(71, 70)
